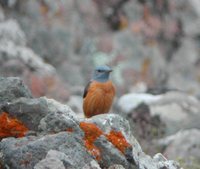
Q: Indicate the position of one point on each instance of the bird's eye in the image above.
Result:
(99, 71)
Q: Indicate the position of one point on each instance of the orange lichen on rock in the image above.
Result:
(11, 127)
(92, 132)
(118, 140)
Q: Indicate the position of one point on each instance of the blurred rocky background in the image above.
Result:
(153, 47)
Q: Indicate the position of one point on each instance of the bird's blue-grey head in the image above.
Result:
(101, 73)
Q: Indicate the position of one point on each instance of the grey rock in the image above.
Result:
(92, 165)
(110, 155)
(10, 31)
(29, 111)
(50, 162)
(57, 39)
(67, 148)
(163, 162)
(2, 16)
(115, 122)
(178, 110)
(58, 121)
(12, 88)
(192, 30)
(130, 101)
(189, 15)
(13, 48)
(146, 161)
(10, 52)
(183, 145)
(42, 114)
(184, 69)
(132, 45)
(132, 10)
(28, 151)
(115, 166)
(195, 4)
(76, 103)
(110, 122)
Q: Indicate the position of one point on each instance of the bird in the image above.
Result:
(99, 93)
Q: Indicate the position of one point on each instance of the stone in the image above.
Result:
(12, 88)
(115, 166)
(10, 31)
(67, 148)
(146, 127)
(109, 154)
(2, 16)
(178, 110)
(42, 114)
(137, 158)
(110, 122)
(92, 165)
(184, 69)
(128, 102)
(70, 151)
(182, 145)
(195, 4)
(10, 52)
(51, 161)
(76, 104)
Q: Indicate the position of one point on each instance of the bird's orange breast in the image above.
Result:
(99, 98)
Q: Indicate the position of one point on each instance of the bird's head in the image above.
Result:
(101, 73)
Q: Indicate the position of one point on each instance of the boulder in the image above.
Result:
(110, 155)
(42, 114)
(53, 159)
(130, 101)
(136, 157)
(76, 103)
(12, 88)
(11, 31)
(16, 59)
(176, 109)
(70, 151)
(182, 145)
(183, 69)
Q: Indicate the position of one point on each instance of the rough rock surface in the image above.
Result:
(12, 88)
(59, 140)
(76, 103)
(73, 154)
(42, 114)
(16, 59)
(182, 145)
(154, 43)
(13, 47)
(128, 102)
(176, 109)
(110, 155)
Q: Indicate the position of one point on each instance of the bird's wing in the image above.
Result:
(86, 89)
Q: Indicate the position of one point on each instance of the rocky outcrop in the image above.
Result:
(16, 59)
(57, 137)
(182, 145)
(12, 88)
(176, 109)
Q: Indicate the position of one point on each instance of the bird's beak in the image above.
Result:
(110, 70)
